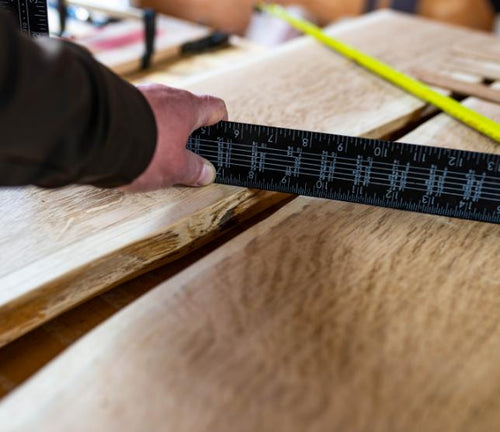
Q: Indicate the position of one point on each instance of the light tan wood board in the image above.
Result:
(491, 52)
(23, 357)
(485, 69)
(174, 72)
(457, 86)
(62, 247)
(325, 316)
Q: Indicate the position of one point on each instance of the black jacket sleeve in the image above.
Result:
(64, 118)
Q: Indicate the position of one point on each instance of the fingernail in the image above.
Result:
(207, 174)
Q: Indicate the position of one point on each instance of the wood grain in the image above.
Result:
(79, 266)
(335, 96)
(325, 316)
(26, 355)
(491, 52)
(484, 69)
(174, 72)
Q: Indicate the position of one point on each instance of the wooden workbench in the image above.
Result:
(310, 315)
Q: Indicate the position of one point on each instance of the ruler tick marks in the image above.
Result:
(389, 174)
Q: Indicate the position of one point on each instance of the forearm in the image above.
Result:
(64, 118)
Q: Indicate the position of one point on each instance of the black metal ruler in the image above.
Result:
(417, 178)
(30, 14)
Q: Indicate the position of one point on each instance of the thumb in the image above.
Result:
(198, 171)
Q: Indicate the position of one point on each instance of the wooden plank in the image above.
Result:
(175, 72)
(457, 86)
(419, 42)
(65, 246)
(491, 52)
(28, 354)
(483, 69)
(325, 316)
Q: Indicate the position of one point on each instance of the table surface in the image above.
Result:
(394, 323)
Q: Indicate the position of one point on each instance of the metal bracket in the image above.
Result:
(149, 18)
(62, 9)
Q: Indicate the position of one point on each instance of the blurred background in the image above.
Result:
(235, 15)
(121, 33)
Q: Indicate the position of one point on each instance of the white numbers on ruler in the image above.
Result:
(379, 151)
(271, 139)
(464, 205)
(498, 210)
(391, 194)
(492, 166)
(305, 142)
(340, 147)
(455, 161)
(236, 133)
(428, 200)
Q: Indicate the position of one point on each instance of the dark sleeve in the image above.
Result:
(64, 118)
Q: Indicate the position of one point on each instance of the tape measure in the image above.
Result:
(448, 105)
(31, 15)
(423, 179)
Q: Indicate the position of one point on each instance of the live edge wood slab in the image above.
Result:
(324, 316)
(60, 248)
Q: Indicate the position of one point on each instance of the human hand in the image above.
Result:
(177, 113)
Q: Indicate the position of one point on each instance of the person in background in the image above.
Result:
(496, 7)
(66, 119)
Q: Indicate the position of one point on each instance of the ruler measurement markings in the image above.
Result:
(441, 181)
(282, 168)
(403, 180)
(417, 175)
(347, 158)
